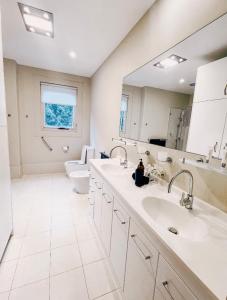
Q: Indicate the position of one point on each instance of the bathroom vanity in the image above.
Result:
(149, 260)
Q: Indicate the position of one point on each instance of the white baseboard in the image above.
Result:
(15, 171)
(43, 168)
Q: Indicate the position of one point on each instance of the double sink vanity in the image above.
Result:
(157, 248)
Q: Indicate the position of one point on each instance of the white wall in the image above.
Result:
(164, 25)
(31, 153)
(10, 69)
(5, 193)
(156, 109)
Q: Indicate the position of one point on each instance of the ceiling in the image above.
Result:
(91, 28)
(208, 44)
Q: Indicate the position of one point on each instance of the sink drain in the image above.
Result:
(173, 230)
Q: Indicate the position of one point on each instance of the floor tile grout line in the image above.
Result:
(28, 283)
(114, 290)
(85, 280)
(18, 259)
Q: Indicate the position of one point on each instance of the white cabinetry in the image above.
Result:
(211, 81)
(98, 201)
(119, 241)
(207, 126)
(91, 197)
(106, 219)
(142, 273)
(142, 259)
(169, 286)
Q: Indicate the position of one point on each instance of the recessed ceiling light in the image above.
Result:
(182, 80)
(170, 61)
(37, 22)
(72, 54)
(41, 21)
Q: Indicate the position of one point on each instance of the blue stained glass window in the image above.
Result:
(58, 116)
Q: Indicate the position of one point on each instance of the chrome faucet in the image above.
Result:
(186, 201)
(125, 162)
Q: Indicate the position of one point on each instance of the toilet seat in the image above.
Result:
(81, 181)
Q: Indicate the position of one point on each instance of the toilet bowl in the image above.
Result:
(80, 180)
(82, 164)
(78, 170)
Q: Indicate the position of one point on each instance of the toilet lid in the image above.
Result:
(77, 174)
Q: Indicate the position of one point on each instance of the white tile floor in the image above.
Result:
(55, 252)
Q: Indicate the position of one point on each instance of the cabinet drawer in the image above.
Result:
(121, 216)
(144, 247)
(169, 286)
(106, 219)
(119, 242)
(141, 266)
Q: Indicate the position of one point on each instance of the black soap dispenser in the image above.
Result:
(139, 174)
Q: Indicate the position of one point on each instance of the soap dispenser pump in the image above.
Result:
(139, 174)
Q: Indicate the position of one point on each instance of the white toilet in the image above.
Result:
(81, 181)
(78, 170)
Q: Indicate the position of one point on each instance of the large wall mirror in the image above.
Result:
(179, 99)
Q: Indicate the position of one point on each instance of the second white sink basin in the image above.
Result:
(175, 219)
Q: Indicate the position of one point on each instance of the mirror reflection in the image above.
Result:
(178, 100)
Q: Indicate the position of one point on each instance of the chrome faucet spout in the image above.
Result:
(125, 163)
(188, 200)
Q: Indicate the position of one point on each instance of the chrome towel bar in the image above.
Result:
(46, 143)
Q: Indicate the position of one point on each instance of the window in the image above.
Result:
(59, 106)
(123, 112)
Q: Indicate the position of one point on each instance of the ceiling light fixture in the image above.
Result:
(170, 61)
(182, 80)
(41, 21)
(72, 54)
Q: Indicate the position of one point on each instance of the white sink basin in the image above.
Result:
(113, 169)
(169, 215)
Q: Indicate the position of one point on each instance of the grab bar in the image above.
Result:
(46, 144)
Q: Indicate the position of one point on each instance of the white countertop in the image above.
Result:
(207, 258)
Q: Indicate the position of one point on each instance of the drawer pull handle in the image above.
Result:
(165, 284)
(116, 213)
(225, 90)
(134, 236)
(105, 196)
(96, 183)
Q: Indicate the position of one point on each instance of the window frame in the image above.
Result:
(75, 108)
(126, 113)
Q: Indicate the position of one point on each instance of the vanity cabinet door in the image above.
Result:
(169, 286)
(141, 266)
(98, 203)
(207, 125)
(106, 220)
(91, 197)
(211, 81)
(119, 242)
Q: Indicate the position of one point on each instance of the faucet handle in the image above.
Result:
(182, 199)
